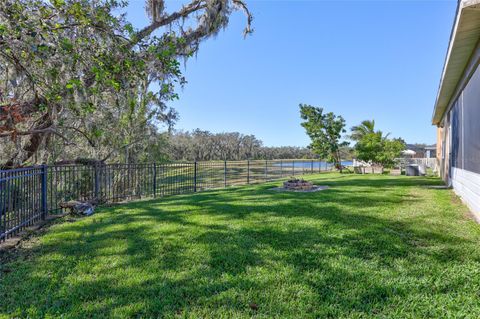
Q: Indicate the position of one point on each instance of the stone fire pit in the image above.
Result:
(299, 185)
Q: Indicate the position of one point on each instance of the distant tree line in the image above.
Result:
(203, 145)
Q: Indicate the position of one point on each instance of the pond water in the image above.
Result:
(308, 164)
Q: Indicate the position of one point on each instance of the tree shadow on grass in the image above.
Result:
(213, 253)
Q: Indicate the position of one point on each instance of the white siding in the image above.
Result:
(466, 184)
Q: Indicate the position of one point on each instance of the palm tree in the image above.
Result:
(365, 128)
(359, 131)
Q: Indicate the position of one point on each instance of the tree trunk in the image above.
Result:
(338, 161)
(33, 144)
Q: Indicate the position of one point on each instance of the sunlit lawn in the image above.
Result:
(370, 246)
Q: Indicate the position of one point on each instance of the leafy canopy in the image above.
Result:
(76, 78)
(373, 146)
(325, 131)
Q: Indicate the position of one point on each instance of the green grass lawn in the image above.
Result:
(370, 246)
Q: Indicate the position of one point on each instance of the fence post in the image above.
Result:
(319, 166)
(225, 173)
(96, 189)
(266, 170)
(311, 170)
(293, 167)
(44, 191)
(154, 180)
(281, 169)
(195, 177)
(248, 171)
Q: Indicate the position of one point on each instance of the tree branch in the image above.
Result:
(50, 130)
(89, 140)
(184, 12)
(248, 29)
(121, 147)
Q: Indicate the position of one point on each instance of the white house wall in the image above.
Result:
(466, 184)
(462, 142)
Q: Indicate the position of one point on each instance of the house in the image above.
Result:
(457, 108)
(430, 151)
(422, 150)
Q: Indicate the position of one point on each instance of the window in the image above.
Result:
(471, 123)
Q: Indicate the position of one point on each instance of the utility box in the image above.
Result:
(422, 170)
(412, 170)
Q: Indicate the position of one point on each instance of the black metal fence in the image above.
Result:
(28, 195)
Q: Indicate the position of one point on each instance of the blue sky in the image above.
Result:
(377, 60)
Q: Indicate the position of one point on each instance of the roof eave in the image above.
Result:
(463, 40)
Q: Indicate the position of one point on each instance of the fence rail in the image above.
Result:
(28, 195)
(426, 162)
